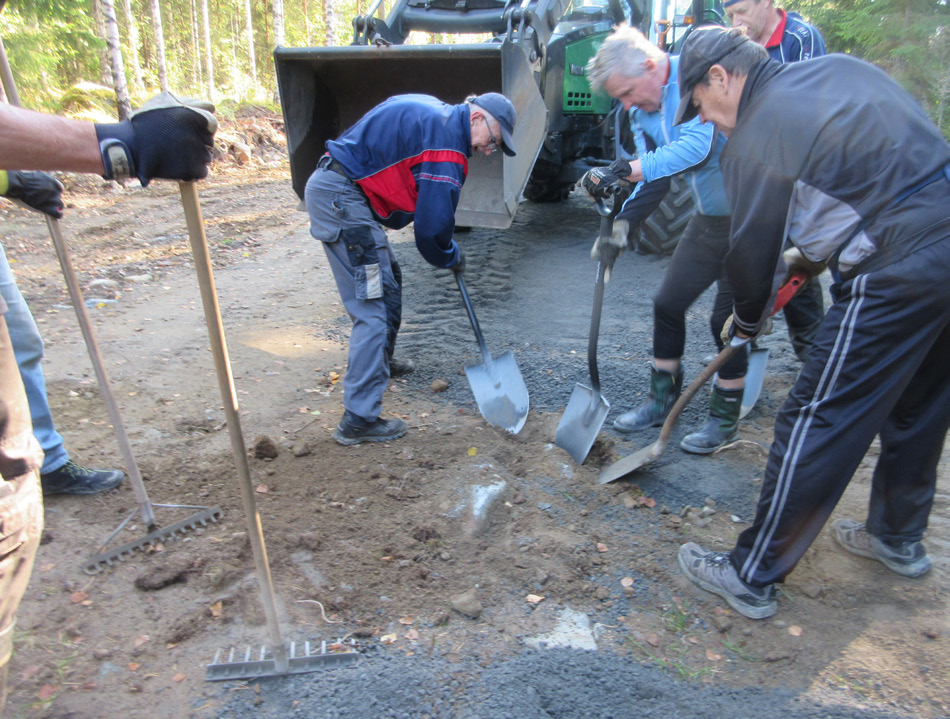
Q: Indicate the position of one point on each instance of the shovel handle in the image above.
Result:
(486, 355)
(606, 227)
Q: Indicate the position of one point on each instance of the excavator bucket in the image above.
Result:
(324, 90)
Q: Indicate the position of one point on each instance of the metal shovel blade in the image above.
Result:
(581, 422)
(754, 378)
(500, 392)
(647, 455)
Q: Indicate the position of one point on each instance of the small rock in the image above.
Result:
(776, 655)
(722, 622)
(467, 603)
(684, 513)
(439, 385)
(138, 278)
(664, 509)
(265, 448)
(301, 448)
(628, 501)
(931, 632)
(710, 502)
(811, 589)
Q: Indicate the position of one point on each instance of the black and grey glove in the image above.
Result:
(798, 262)
(601, 182)
(37, 190)
(166, 138)
(607, 248)
(459, 265)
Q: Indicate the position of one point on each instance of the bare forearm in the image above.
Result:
(36, 141)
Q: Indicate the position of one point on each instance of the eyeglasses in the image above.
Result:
(493, 145)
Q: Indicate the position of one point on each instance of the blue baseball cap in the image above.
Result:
(500, 107)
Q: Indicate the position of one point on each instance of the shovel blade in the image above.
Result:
(581, 422)
(500, 392)
(754, 379)
(631, 463)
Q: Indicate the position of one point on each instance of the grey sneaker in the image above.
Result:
(714, 572)
(73, 478)
(354, 429)
(909, 559)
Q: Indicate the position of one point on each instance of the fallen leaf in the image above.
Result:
(653, 640)
(626, 582)
(472, 451)
(386, 559)
(86, 602)
(47, 567)
(337, 647)
(534, 598)
(406, 620)
(795, 630)
(712, 656)
(134, 666)
(78, 596)
(47, 692)
(261, 488)
(29, 672)
(412, 635)
(601, 547)
(388, 638)
(215, 609)
(91, 685)
(647, 502)
(141, 639)
(180, 676)
(693, 640)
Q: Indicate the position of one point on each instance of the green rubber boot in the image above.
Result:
(665, 389)
(722, 426)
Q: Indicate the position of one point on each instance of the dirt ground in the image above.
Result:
(370, 545)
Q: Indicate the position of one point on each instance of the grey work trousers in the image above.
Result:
(369, 280)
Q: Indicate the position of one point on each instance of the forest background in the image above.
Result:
(97, 58)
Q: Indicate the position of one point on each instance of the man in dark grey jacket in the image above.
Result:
(830, 161)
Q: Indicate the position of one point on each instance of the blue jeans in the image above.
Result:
(28, 349)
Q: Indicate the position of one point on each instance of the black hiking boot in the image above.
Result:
(665, 388)
(722, 426)
(354, 429)
(400, 367)
(72, 478)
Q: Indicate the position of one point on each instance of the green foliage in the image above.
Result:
(906, 38)
(54, 45)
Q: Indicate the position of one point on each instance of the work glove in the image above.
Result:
(459, 265)
(601, 182)
(798, 263)
(36, 190)
(166, 138)
(729, 336)
(607, 248)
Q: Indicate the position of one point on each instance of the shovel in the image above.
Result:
(587, 409)
(497, 384)
(754, 378)
(647, 455)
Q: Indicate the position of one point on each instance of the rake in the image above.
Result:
(105, 556)
(277, 660)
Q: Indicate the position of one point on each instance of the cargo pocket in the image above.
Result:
(364, 259)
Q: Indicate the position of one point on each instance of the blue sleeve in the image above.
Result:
(440, 184)
(691, 149)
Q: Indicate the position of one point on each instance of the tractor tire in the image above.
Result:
(547, 190)
(662, 230)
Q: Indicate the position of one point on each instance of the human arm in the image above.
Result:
(694, 145)
(166, 138)
(36, 141)
(439, 186)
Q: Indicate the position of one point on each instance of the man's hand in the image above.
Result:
(459, 265)
(608, 248)
(166, 138)
(37, 190)
(602, 181)
(798, 263)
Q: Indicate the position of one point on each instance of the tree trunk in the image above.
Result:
(98, 16)
(196, 75)
(209, 66)
(328, 23)
(250, 40)
(278, 7)
(115, 57)
(133, 45)
(159, 44)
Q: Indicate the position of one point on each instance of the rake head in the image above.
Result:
(267, 665)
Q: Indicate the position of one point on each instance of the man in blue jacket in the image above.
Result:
(404, 161)
(644, 79)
